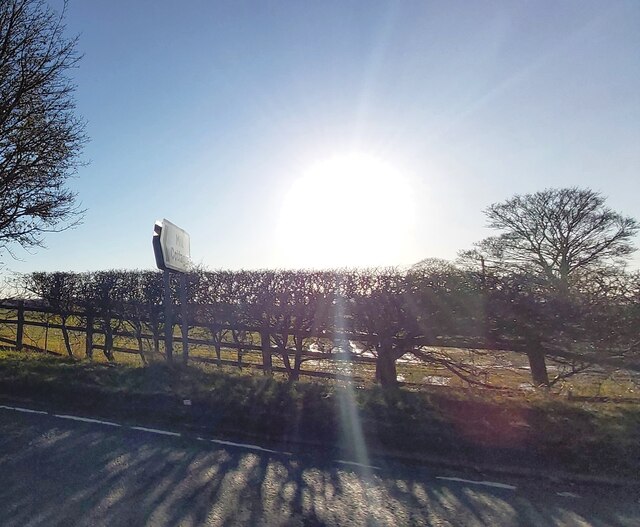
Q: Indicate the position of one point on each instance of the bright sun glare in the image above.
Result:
(349, 210)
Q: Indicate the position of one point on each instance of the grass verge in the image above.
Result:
(538, 431)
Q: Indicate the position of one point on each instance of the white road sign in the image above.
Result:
(176, 247)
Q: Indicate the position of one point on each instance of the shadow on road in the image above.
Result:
(58, 473)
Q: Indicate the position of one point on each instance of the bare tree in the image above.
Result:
(554, 246)
(557, 233)
(60, 292)
(40, 136)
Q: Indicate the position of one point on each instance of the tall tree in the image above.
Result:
(41, 138)
(557, 233)
(553, 246)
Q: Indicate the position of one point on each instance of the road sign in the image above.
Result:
(172, 247)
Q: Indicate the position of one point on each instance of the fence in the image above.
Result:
(252, 346)
(341, 356)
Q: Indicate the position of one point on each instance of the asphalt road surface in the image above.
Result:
(55, 470)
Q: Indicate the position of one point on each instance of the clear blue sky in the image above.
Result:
(208, 113)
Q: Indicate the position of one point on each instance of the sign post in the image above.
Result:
(172, 249)
(168, 316)
(185, 318)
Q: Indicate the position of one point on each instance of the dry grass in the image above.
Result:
(537, 429)
(497, 368)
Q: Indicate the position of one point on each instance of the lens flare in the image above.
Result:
(350, 210)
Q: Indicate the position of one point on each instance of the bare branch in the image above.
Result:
(40, 136)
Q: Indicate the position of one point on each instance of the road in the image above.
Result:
(55, 470)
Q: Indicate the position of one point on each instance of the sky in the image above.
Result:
(348, 133)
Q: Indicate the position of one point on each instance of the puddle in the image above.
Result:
(437, 380)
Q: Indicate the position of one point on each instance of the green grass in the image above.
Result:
(537, 430)
(503, 369)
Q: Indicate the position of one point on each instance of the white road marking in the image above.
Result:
(156, 431)
(256, 447)
(86, 420)
(485, 483)
(250, 447)
(145, 429)
(342, 462)
(25, 410)
(568, 495)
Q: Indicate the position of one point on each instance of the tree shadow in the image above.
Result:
(54, 472)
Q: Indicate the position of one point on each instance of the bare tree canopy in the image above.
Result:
(40, 136)
(557, 233)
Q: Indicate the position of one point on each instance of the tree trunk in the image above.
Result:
(108, 339)
(65, 336)
(287, 362)
(156, 340)
(140, 344)
(297, 360)
(538, 367)
(236, 340)
(386, 373)
(281, 343)
(88, 349)
(217, 338)
(155, 332)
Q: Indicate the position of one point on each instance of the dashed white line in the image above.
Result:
(25, 410)
(258, 448)
(485, 483)
(249, 447)
(355, 464)
(85, 419)
(156, 431)
(144, 429)
(568, 495)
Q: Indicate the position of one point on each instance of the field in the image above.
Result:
(507, 371)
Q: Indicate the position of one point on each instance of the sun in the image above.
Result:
(348, 210)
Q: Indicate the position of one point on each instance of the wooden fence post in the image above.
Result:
(20, 327)
(46, 333)
(185, 318)
(168, 317)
